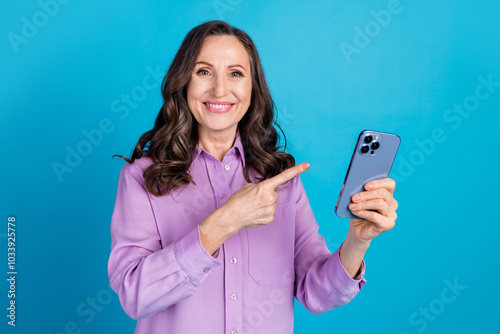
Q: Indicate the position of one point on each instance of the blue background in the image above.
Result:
(403, 77)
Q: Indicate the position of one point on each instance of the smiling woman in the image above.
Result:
(209, 63)
(212, 231)
(222, 71)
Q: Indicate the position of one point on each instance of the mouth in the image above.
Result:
(218, 107)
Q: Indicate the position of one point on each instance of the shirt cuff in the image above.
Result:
(193, 258)
(339, 277)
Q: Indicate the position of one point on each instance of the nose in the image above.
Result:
(219, 86)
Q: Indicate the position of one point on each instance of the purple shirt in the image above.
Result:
(168, 282)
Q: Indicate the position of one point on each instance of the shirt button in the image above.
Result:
(223, 197)
(226, 167)
(206, 270)
(234, 260)
(233, 296)
(234, 332)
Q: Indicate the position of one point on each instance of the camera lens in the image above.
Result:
(368, 139)
(365, 149)
(375, 145)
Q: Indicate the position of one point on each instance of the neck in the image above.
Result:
(217, 143)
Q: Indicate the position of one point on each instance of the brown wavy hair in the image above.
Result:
(174, 137)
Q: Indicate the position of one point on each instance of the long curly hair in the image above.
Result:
(174, 137)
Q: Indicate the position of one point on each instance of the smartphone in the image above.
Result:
(372, 159)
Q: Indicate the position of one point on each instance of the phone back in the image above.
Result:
(370, 161)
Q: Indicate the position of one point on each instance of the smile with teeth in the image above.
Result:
(218, 108)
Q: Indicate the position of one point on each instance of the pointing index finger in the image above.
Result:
(286, 175)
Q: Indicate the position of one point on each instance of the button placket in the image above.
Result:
(220, 178)
(233, 283)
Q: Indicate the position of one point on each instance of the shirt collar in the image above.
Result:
(237, 146)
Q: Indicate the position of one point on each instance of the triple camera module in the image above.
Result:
(370, 145)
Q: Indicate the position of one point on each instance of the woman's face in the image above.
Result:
(221, 85)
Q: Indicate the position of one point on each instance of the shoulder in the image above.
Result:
(137, 168)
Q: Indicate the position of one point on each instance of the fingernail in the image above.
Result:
(352, 205)
(307, 165)
(355, 198)
(369, 186)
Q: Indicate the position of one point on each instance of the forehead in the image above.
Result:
(224, 48)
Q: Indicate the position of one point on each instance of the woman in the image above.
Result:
(212, 231)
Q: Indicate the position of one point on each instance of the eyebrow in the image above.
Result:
(234, 65)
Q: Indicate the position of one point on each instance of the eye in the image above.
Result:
(202, 72)
(238, 74)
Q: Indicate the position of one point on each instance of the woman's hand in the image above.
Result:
(255, 203)
(252, 205)
(376, 209)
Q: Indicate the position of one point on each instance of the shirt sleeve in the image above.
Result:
(147, 277)
(321, 281)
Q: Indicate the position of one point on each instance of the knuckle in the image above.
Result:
(391, 225)
(271, 199)
(370, 215)
(383, 192)
(359, 206)
(358, 213)
(262, 195)
(380, 203)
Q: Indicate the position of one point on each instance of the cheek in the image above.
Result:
(194, 90)
(192, 100)
(245, 94)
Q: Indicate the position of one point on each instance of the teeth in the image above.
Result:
(218, 106)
